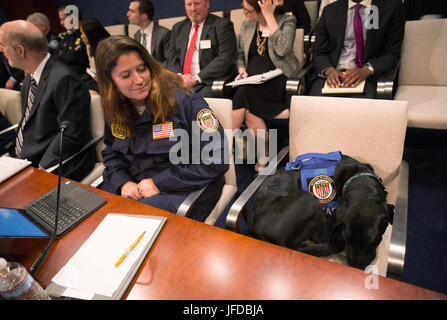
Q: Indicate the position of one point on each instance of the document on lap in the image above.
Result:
(257, 79)
(92, 272)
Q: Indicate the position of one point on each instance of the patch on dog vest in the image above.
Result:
(317, 176)
(322, 187)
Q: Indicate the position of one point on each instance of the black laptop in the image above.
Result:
(37, 219)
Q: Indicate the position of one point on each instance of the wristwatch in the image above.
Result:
(369, 66)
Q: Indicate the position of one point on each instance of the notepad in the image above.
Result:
(357, 89)
(11, 166)
(91, 273)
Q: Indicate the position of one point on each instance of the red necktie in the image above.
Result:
(190, 52)
(358, 33)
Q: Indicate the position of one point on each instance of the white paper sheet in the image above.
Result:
(11, 166)
(92, 269)
(256, 79)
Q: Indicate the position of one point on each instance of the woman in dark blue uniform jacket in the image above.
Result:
(152, 122)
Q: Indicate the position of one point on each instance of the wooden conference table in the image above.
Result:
(191, 260)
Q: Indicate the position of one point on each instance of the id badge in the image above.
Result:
(205, 44)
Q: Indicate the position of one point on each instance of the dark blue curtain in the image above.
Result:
(110, 12)
(2, 17)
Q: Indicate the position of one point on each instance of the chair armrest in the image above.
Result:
(185, 208)
(309, 41)
(92, 142)
(396, 257)
(236, 210)
(297, 86)
(9, 129)
(387, 84)
(218, 87)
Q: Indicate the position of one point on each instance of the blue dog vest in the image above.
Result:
(317, 176)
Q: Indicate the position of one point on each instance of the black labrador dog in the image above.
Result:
(283, 214)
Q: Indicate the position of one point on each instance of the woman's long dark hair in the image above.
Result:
(161, 100)
(254, 3)
(95, 32)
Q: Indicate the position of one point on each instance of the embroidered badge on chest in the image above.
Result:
(119, 131)
(163, 130)
(323, 187)
(207, 121)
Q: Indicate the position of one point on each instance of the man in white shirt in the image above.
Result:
(152, 36)
(357, 40)
(51, 93)
(202, 48)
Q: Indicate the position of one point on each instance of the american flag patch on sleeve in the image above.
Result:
(163, 130)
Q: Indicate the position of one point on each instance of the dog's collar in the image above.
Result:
(360, 175)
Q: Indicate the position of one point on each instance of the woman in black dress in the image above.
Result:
(265, 44)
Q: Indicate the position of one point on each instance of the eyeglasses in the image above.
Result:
(246, 11)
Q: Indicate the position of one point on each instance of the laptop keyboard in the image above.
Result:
(69, 212)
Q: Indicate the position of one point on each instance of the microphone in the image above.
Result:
(64, 125)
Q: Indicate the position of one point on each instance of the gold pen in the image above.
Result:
(129, 250)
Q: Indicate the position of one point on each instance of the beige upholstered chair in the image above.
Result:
(115, 30)
(237, 17)
(312, 10)
(131, 29)
(294, 84)
(423, 73)
(167, 23)
(97, 127)
(371, 131)
(223, 111)
(10, 105)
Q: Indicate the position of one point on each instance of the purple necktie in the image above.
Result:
(358, 32)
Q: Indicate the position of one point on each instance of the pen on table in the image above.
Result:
(129, 250)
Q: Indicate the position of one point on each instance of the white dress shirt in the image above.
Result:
(195, 64)
(148, 32)
(347, 55)
(38, 72)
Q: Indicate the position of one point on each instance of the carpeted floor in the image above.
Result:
(426, 251)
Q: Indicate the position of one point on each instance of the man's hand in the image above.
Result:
(10, 84)
(352, 77)
(130, 190)
(188, 80)
(334, 77)
(147, 188)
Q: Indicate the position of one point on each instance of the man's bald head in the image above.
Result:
(23, 33)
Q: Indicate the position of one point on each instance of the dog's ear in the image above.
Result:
(390, 212)
(369, 166)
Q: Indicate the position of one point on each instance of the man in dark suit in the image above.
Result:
(152, 36)
(355, 41)
(42, 22)
(51, 93)
(6, 137)
(203, 48)
(72, 50)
